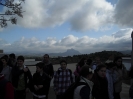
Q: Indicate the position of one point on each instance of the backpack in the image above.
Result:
(58, 71)
(2, 88)
(69, 93)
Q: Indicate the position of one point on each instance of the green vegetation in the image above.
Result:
(104, 55)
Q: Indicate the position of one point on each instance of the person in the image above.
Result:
(12, 60)
(89, 62)
(62, 79)
(21, 78)
(100, 87)
(6, 70)
(40, 82)
(96, 63)
(6, 88)
(130, 74)
(81, 63)
(121, 74)
(48, 69)
(111, 77)
(84, 91)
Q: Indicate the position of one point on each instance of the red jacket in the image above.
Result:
(9, 90)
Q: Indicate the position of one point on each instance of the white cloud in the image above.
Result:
(82, 15)
(83, 44)
(123, 13)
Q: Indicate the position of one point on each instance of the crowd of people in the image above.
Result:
(93, 78)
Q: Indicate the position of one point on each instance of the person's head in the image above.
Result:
(118, 60)
(63, 64)
(39, 67)
(12, 56)
(101, 70)
(89, 61)
(82, 62)
(4, 60)
(46, 58)
(86, 72)
(111, 66)
(97, 60)
(20, 61)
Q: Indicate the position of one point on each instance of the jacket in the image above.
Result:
(39, 79)
(16, 73)
(100, 87)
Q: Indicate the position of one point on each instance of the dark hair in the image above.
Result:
(46, 55)
(12, 55)
(110, 65)
(85, 70)
(5, 58)
(81, 62)
(40, 65)
(100, 66)
(20, 58)
(116, 59)
(89, 61)
(63, 61)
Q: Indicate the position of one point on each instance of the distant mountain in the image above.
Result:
(126, 52)
(69, 52)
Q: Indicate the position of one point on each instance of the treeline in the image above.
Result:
(104, 55)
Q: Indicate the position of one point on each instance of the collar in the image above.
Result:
(90, 83)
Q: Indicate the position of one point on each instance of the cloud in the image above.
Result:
(123, 13)
(83, 44)
(82, 15)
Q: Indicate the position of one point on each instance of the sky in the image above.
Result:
(53, 26)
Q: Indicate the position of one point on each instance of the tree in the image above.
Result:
(13, 9)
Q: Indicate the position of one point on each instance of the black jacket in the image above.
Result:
(100, 87)
(16, 72)
(40, 80)
(48, 69)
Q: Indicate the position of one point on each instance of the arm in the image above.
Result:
(51, 71)
(118, 76)
(29, 84)
(29, 75)
(110, 85)
(9, 91)
(124, 72)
